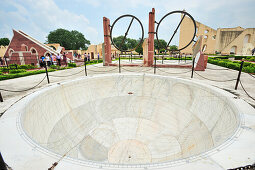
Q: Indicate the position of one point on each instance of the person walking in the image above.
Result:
(88, 57)
(47, 59)
(65, 59)
(1, 61)
(85, 57)
(98, 56)
(58, 57)
(253, 51)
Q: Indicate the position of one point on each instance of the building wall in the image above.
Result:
(243, 46)
(20, 50)
(3, 50)
(225, 36)
(187, 32)
(56, 45)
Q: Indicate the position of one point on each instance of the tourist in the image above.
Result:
(253, 51)
(51, 59)
(98, 56)
(65, 59)
(47, 59)
(88, 57)
(58, 57)
(42, 58)
(85, 57)
(1, 61)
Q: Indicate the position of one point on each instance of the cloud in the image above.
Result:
(38, 18)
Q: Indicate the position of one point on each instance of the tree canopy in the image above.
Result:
(4, 41)
(160, 45)
(132, 43)
(71, 40)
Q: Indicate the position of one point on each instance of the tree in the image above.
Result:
(161, 45)
(71, 40)
(127, 44)
(139, 49)
(4, 41)
(173, 47)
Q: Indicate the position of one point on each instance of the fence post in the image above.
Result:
(1, 98)
(239, 75)
(193, 63)
(85, 65)
(45, 65)
(131, 57)
(155, 63)
(2, 163)
(119, 65)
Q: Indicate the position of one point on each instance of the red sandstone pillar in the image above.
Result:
(107, 41)
(151, 38)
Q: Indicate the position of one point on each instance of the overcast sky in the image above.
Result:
(38, 17)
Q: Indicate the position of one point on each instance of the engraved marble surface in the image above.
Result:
(133, 119)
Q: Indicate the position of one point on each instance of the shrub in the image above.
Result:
(1, 73)
(249, 69)
(27, 73)
(247, 64)
(17, 71)
(54, 67)
(71, 65)
(240, 57)
(26, 67)
(234, 66)
(4, 69)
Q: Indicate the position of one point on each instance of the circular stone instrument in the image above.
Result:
(127, 121)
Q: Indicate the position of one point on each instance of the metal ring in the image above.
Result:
(195, 29)
(132, 16)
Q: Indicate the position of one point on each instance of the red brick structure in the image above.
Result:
(23, 49)
(151, 33)
(107, 41)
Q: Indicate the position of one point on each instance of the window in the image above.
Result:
(247, 39)
(233, 50)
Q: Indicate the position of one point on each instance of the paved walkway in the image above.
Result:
(214, 75)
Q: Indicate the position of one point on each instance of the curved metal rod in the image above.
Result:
(185, 14)
(133, 17)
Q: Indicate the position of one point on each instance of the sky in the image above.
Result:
(38, 17)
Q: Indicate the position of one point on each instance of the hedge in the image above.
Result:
(247, 67)
(17, 71)
(71, 65)
(27, 73)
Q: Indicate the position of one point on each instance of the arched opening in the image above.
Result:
(33, 51)
(53, 47)
(247, 39)
(214, 37)
(46, 53)
(204, 48)
(233, 50)
(205, 37)
(206, 31)
(10, 51)
(24, 47)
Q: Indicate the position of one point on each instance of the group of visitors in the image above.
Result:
(52, 59)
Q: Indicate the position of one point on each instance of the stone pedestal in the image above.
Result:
(107, 41)
(145, 52)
